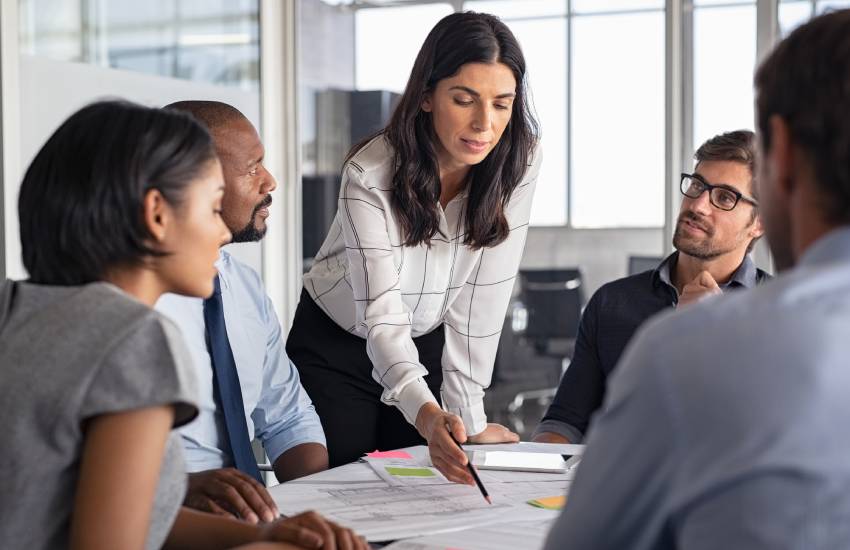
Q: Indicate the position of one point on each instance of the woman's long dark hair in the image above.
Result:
(458, 39)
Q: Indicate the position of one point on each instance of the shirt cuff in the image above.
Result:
(302, 428)
(473, 416)
(561, 428)
(277, 448)
(412, 397)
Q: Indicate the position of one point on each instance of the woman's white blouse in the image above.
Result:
(374, 287)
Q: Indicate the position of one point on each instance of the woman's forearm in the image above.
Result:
(193, 529)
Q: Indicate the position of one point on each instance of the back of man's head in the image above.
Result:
(806, 82)
(212, 114)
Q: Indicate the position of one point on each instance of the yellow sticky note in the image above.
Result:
(549, 503)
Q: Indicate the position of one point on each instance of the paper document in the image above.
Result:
(382, 513)
(400, 472)
(354, 474)
(527, 535)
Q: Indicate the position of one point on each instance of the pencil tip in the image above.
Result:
(489, 500)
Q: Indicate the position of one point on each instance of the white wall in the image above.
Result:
(52, 90)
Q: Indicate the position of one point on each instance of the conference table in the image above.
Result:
(399, 499)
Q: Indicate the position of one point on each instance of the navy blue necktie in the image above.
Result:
(226, 389)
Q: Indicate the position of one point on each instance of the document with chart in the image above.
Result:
(383, 510)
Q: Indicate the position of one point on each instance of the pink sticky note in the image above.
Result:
(388, 454)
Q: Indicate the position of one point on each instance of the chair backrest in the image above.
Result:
(639, 264)
(553, 298)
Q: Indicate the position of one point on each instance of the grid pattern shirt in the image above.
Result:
(372, 286)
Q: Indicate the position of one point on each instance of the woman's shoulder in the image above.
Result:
(86, 303)
(375, 156)
(98, 309)
(107, 304)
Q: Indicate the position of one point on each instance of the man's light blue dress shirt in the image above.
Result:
(725, 425)
(278, 410)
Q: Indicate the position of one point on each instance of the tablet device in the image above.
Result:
(523, 462)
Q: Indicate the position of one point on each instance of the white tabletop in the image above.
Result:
(355, 496)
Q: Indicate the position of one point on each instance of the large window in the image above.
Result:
(597, 78)
(214, 41)
(615, 105)
(793, 13)
(724, 45)
(596, 72)
(541, 28)
(617, 130)
(387, 41)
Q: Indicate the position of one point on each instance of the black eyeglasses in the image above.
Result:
(693, 185)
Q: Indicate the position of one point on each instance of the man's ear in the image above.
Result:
(157, 215)
(757, 230)
(782, 156)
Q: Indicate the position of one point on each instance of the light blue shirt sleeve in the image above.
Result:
(284, 416)
(278, 410)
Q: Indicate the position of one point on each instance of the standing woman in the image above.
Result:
(406, 298)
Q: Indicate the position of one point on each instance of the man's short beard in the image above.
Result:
(699, 251)
(250, 233)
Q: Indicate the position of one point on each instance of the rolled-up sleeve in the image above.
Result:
(284, 416)
(475, 318)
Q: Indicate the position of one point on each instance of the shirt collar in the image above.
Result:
(222, 264)
(745, 276)
(832, 247)
(662, 272)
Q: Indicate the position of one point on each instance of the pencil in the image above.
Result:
(474, 473)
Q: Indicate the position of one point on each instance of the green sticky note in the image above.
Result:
(410, 472)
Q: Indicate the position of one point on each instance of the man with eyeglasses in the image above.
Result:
(717, 227)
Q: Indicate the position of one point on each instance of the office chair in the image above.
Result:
(546, 317)
(639, 264)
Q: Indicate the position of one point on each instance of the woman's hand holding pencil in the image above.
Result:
(441, 429)
(444, 431)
